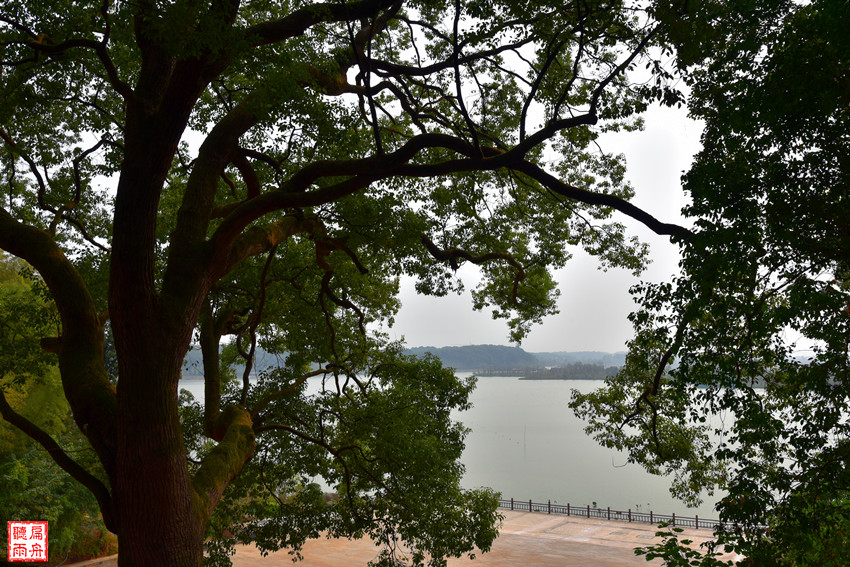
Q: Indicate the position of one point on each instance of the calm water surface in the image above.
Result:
(527, 444)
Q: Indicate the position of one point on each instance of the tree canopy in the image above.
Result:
(263, 173)
(758, 321)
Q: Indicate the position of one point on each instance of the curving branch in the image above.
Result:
(602, 199)
(18, 26)
(388, 68)
(252, 324)
(42, 44)
(293, 194)
(299, 21)
(212, 327)
(568, 86)
(259, 239)
(619, 69)
(228, 243)
(343, 302)
(265, 158)
(88, 389)
(336, 452)
(249, 176)
(452, 255)
(61, 458)
(456, 53)
(552, 52)
(120, 86)
(651, 390)
(42, 185)
(188, 266)
(495, 159)
(225, 461)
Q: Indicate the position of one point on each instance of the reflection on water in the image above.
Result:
(527, 444)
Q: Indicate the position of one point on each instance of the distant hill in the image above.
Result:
(480, 357)
(193, 364)
(504, 358)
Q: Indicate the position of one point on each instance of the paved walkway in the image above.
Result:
(526, 539)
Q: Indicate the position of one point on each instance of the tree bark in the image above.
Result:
(159, 523)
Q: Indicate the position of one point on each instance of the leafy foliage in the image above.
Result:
(34, 487)
(26, 314)
(765, 274)
(677, 552)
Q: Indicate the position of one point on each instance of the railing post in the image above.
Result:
(609, 513)
(529, 505)
(512, 504)
(550, 506)
(650, 517)
(674, 518)
(696, 521)
(630, 514)
(588, 510)
(568, 508)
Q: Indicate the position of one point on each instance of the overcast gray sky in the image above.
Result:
(594, 305)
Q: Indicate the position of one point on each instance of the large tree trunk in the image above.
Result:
(160, 522)
(162, 512)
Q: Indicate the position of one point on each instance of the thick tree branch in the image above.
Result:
(495, 159)
(259, 239)
(188, 264)
(225, 461)
(87, 387)
(601, 199)
(299, 21)
(366, 171)
(212, 327)
(293, 194)
(249, 176)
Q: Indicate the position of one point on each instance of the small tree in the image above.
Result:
(191, 171)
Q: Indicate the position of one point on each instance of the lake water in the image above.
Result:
(527, 444)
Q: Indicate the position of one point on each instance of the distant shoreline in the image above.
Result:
(535, 378)
(485, 374)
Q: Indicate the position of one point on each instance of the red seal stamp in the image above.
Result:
(27, 541)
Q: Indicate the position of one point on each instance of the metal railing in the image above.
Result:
(609, 514)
